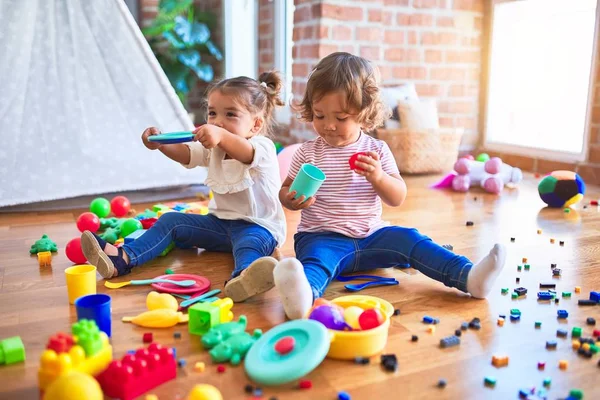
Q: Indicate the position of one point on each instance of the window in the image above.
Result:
(241, 38)
(283, 16)
(541, 58)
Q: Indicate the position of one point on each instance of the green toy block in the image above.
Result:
(527, 266)
(202, 317)
(12, 350)
(576, 393)
(547, 382)
(514, 296)
(167, 250)
(43, 244)
(159, 207)
(519, 268)
(147, 214)
(169, 271)
(504, 290)
(515, 311)
(594, 349)
(566, 294)
(88, 336)
(576, 332)
(538, 324)
(489, 381)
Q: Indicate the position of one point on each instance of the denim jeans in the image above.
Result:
(325, 255)
(246, 240)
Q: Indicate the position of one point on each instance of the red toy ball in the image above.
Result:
(88, 221)
(354, 158)
(120, 206)
(370, 319)
(74, 252)
(469, 157)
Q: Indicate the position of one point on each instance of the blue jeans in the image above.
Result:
(246, 240)
(325, 255)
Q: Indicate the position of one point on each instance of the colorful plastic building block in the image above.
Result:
(147, 223)
(60, 342)
(489, 381)
(431, 329)
(499, 361)
(199, 367)
(504, 290)
(562, 314)
(562, 333)
(147, 338)
(449, 341)
(590, 321)
(166, 251)
(235, 348)
(500, 321)
(582, 302)
(538, 324)
(220, 368)
(556, 272)
(224, 305)
(54, 365)
(430, 320)
(595, 296)
(159, 207)
(135, 374)
(389, 362)
(519, 268)
(527, 267)
(43, 244)
(524, 260)
(44, 258)
(563, 364)
(575, 344)
(576, 332)
(545, 296)
(576, 394)
(541, 365)
(547, 285)
(134, 235)
(12, 350)
(551, 344)
(577, 289)
(203, 317)
(222, 332)
(88, 336)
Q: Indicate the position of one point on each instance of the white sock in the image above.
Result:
(483, 274)
(293, 287)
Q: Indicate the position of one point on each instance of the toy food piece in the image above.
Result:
(204, 392)
(74, 386)
(157, 301)
(351, 316)
(329, 316)
(370, 319)
(43, 244)
(268, 362)
(161, 318)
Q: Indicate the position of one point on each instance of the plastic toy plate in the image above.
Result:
(202, 284)
(264, 365)
(173, 137)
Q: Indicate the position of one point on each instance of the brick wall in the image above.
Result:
(435, 44)
(266, 27)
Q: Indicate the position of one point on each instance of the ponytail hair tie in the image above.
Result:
(263, 84)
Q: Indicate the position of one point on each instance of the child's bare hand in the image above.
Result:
(150, 132)
(369, 166)
(299, 203)
(209, 135)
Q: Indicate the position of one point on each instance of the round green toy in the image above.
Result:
(483, 157)
(561, 189)
(287, 352)
(100, 206)
(129, 226)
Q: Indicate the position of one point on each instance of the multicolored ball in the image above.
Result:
(561, 189)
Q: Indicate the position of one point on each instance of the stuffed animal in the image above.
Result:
(492, 175)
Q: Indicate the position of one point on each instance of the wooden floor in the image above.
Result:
(33, 303)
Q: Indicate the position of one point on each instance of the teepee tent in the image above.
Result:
(78, 85)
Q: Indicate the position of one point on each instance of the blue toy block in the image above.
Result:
(595, 296)
(134, 235)
(545, 296)
(515, 317)
(562, 314)
(449, 341)
(430, 320)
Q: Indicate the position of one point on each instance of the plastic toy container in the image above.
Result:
(308, 181)
(347, 345)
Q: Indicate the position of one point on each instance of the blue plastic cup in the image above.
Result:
(97, 308)
(308, 181)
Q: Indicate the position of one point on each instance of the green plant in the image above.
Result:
(180, 39)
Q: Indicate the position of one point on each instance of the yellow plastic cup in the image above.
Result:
(81, 281)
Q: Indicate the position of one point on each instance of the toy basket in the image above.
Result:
(423, 151)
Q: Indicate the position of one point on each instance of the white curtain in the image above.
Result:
(78, 85)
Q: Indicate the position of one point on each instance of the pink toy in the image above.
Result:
(88, 222)
(492, 175)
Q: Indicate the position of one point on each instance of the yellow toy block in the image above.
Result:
(202, 210)
(44, 258)
(164, 211)
(225, 306)
(500, 321)
(431, 329)
(499, 361)
(576, 344)
(53, 365)
(577, 289)
(199, 367)
(563, 364)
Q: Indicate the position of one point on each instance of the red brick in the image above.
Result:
(473, 41)
(466, 122)
(412, 37)
(303, 32)
(425, 4)
(429, 90)
(596, 99)
(326, 49)
(413, 55)
(463, 57)
(447, 122)
(438, 38)
(265, 44)
(395, 2)
(308, 50)
(265, 28)
(266, 58)
(395, 37)
(375, 15)
(447, 22)
(589, 173)
(302, 13)
(386, 72)
(469, 5)
(473, 74)
(461, 90)
(348, 48)
(369, 34)
(370, 52)
(433, 56)
(322, 32)
(596, 114)
(409, 72)
(341, 32)
(395, 54)
(265, 13)
(594, 154)
(340, 12)
(447, 73)
(298, 87)
(456, 107)
(300, 69)
(414, 19)
(387, 18)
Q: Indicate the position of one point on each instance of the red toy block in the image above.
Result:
(148, 222)
(138, 373)
(596, 333)
(220, 368)
(305, 384)
(60, 343)
(541, 365)
(147, 337)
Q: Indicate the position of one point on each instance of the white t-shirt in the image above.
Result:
(244, 191)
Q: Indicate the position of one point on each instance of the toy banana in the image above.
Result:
(161, 318)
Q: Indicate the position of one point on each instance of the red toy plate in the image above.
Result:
(202, 284)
